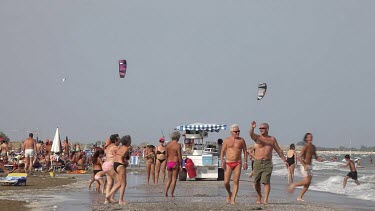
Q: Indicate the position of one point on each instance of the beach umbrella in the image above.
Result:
(56, 144)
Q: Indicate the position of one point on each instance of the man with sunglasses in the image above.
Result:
(232, 149)
(264, 145)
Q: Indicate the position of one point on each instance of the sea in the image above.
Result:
(328, 176)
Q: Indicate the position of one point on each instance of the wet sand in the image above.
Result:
(201, 195)
(11, 205)
(12, 197)
(211, 195)
(66, 193)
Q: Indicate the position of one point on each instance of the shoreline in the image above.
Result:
(211, 195)
(38, 189)
(190, 195)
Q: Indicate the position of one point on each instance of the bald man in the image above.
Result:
(264, 145)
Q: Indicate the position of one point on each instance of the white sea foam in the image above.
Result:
(329, 176)
(334, 185)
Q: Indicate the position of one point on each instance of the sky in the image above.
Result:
(195, 61)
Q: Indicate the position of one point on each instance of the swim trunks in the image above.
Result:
(263, 171)
(233, 164)
(171, 165)
(29, 153)
(353, 175)
(307, 172)
(107, 166)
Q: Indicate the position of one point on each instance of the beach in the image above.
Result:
(69, 192)
(25, 197)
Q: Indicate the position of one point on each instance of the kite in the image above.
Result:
(262, 88)
(122, 68)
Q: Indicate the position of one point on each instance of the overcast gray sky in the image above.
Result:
(188, 61)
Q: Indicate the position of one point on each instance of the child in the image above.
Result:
(97, 167)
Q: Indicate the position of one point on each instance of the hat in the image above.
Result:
(161, 140)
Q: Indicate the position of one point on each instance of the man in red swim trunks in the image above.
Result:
(232, 149)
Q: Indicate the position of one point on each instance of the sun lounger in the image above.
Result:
(14, 179)
(134, 161)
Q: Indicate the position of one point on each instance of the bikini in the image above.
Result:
(233, 164)
(161, 153)
(110, 154)
(117, 164)
(107, 166)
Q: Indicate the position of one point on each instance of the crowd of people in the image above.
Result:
(260, 154)
(37, 155)
(110, 162)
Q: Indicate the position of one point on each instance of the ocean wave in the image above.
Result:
(334, 185)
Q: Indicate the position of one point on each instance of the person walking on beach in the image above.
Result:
(150, 163)
(291, 158)
(97, 163)
(29, 148)
(305, 157)
(263, 166)
(232, 149)
(353, 171)
(160, 161)
(174, 162)
(370, 160)
(119, 166)
(108, 166)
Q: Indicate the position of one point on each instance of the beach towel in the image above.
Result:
(15, 179)
(77, 172)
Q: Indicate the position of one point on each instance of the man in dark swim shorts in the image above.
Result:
(353, 171)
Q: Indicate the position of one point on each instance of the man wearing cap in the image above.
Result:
(174, 162)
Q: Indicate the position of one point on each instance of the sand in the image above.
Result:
(41, 181)
(200, 195)
(190, 195)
